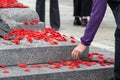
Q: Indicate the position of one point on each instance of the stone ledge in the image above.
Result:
(95, 72)
(39, 26)
(37, 52)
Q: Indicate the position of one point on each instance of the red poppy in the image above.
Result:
(73, 41)
(5, 37)
(35, 66)
(29, 39)
(22, 65)
(11, 4)
(27, 70)
(52, 67)
(16, 41)
(44, 65)
(72, 37)
(51, 62)
(93, 63)
(57, 65)
(87, 63)
(54, 42)
(70, 67)
(101, 63)
(2, 66)
(6, 71)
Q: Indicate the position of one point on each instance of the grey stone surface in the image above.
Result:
(14, 16)
(36, 52)
(94, 72)
(39, 26)
(107, 54)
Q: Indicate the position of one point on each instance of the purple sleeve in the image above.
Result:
(97, 14)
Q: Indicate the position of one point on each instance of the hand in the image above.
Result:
(78, 50)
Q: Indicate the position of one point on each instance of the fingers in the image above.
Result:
(75, 53)
(79, 49)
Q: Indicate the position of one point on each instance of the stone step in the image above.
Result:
(94, 72)
(12, 16)
(39, 26)
(36, 52)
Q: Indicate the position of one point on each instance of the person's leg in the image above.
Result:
(76, 8)
(77, 11)
(86, 7)
(115, 6)
(40, 9)
(54, 14)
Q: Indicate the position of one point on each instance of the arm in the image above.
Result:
(97, 14)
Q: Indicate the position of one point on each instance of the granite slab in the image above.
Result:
(38, 27)
(36, 52)
(12, 16)
(94, 72)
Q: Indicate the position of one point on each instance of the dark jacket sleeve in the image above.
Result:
(97, 14)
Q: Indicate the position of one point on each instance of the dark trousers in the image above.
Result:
(82, 7)
(54, 12)
(115, 6)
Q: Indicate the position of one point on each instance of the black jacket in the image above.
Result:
(115, 0)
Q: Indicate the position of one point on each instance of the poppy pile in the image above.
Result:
(11, 4)
(48, 34)
(69, 64)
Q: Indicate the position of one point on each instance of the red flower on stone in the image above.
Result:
(27, 70)
(57, 65)
(35, 66)
(101, 63)
(70, 67)
(22, 65)
(16, 41)
(2, 66)
(29, 39)
(5, 37)
(52, 67)
(6, 71)
(51, 62)
(54, 42)
(11, 4)
(72, 37)
(73, 41)
(44, 65)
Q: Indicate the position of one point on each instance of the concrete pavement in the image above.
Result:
(105, 36)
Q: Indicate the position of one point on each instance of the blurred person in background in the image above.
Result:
(82, 9)
(54, 13)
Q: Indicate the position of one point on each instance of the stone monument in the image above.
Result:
(40, 52)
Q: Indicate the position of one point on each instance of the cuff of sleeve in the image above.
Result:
(84, 42)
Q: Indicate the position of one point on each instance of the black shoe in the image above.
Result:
(84, 22)
(56, 29)
(77, 22)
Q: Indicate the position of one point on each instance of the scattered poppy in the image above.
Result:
(6, 71)
(22, 65)
(2, 66)
(27, 70)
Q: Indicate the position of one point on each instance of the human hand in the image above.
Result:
(78, 50)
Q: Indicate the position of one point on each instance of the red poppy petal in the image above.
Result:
(22, 65)
(2, 66)
(6, 71)
(27, 70)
